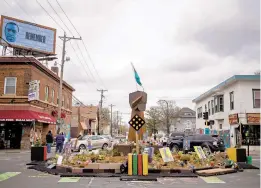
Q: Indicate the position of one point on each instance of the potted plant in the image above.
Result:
(38, 152)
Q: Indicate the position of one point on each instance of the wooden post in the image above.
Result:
(137, 143)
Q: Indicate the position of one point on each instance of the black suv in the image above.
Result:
(207, 142)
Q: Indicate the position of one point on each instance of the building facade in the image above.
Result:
(233, 105)
(84, 120)
(29, 102)
(185, 121)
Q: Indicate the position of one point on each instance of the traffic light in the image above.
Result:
(207, 123)
(205, 115)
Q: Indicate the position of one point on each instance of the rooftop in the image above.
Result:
(226, 83)
(33, 61)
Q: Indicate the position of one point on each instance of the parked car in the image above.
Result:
(108, 137)
(207, 142)
(97, 142)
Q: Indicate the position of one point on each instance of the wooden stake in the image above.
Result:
(137, 143)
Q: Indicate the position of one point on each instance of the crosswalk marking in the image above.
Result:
(212, 179)
(69, 180)
(7, 175)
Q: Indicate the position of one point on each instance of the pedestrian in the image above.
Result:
(59, 143)
(49, 141)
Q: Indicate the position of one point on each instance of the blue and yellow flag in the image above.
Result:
(137, 77)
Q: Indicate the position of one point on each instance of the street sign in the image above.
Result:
(136, 122)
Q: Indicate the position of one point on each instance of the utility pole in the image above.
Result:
(64, 38)
(111, 118)
(100, 111)
(117, 122)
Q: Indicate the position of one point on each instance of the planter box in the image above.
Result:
(110, 166)
(39, 153)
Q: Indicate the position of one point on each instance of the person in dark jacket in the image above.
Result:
(49, 141)
(59, 143)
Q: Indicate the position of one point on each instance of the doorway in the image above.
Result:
(11, 135)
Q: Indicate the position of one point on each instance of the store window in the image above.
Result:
(251, 133)
(10, 85)
(256, 98)
(46, 96)
(231, 96)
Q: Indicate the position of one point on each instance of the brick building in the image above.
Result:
(23, 120)
(84, 120)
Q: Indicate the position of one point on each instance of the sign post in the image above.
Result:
(136, 123)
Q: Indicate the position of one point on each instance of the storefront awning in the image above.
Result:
(84, 127)
(26, 115)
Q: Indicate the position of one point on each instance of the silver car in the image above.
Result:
(95, 141)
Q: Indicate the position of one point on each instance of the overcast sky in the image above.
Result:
(180, 48)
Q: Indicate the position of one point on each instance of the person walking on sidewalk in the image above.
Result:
(49, 141)
(59, 143)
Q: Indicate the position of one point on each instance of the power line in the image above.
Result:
(59, 17)
(85, 47)
(86, 63)
(24, 11)
(68, 18)
(50, 15)
(81, 63)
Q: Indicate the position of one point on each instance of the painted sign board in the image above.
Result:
(200, 152)
(26, 35)
(33, 92)
(166, 154)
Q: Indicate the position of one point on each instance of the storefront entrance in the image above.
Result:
(11, 134)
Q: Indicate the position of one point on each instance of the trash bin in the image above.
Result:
(249, 160)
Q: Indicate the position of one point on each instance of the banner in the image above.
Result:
(26, 35)
(33, 92)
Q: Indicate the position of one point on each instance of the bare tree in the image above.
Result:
(169, 111)
(153, 119)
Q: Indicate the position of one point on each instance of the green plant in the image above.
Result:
(37, 143)
(115, 153)
(185, 157)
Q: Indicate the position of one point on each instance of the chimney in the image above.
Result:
(55, 69)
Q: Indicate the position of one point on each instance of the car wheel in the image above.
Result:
(82, 147)
(175, 149)
(104, 146)
(206, 150)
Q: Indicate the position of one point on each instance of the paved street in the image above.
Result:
(15, 162)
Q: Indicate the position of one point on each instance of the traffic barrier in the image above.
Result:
(138, 164)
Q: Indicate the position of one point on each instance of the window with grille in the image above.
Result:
(10, 85)
(256, 98)
(231, 96)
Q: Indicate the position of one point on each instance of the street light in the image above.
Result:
(168, 131)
